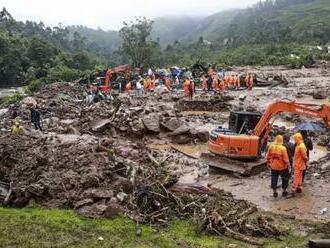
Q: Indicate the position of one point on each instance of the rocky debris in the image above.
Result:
(242, 97)
(320, 94)
(100, 125)
(151, 123)
(214, 104)
(172, 124)
(94, 159)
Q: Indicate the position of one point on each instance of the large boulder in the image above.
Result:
(320, 94)
(151, 123)
(184, 129)
(100, 125)
(172, 124)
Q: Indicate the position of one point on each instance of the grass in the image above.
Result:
(37, 227)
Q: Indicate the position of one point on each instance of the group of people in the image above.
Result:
(35, 117)
(285, 159)
(220, 82)
(211, 81)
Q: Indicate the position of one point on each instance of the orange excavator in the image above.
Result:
(126, 69)
(247, 134)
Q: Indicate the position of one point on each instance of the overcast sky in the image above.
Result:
(109, 14)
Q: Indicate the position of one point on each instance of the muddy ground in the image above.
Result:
(125, 156)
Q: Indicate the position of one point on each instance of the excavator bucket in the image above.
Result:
(244, 168)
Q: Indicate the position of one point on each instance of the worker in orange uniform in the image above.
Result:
(222, 85)
(251, 82)
(168, 83)
(247, 80)
(128, 88)
(278, 161)
(215, 83)
(186, 87)
(300, 159)
(232, 81)
(237, 84)
(146, 84)
(191, 89)
(227, 80)
(153, 83)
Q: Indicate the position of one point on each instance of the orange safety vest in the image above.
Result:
(186, 86)
(300, 155)
(277, 155)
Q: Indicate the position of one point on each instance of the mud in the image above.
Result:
(125, 156)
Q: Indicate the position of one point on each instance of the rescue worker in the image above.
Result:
(299, 162)
(139, 88)
(128, 88)
(309, 146)
(215, 83)
(278, 161)
(186, 87)
(251, 82)
(36, 118)
(232, 81)
(204, 83)
(191, 89)
(17, 129)
(168, 83)
(237, 82)
(209, 82)
(222, 86)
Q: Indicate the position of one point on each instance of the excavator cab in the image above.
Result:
(236, 141)
(243, 122)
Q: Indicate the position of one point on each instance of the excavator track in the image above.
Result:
(244, 168)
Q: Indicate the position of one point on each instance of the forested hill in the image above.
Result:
(303, 21)
(269, 21)
(267, 33)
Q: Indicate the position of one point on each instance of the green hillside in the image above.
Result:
(170, 29)
(100, 41)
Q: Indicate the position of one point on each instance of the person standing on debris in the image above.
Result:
(139, 88)
(250, 82)
(36, 118)
(222, 85)
(309, 146)
(214, 83)
(299, 162)
(186, 87)
(209, 82)
(278, 161)
(191, 89)
(237, 84)
(204, 83)
(150, 72)
(128, 88)
(17, 129)
(168, 83)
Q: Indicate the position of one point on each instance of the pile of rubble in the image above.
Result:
(95, 159)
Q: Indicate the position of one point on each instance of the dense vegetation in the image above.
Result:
(273, 32)
(31, 51)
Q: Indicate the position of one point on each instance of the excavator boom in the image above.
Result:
(122, 68)
(234, 145)
(282, 106)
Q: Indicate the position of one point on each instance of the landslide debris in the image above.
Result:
(94, 159)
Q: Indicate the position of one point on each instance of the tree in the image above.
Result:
(136, 45)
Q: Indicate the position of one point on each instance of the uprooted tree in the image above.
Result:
(136, 44)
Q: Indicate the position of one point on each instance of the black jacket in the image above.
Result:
(35, 116)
